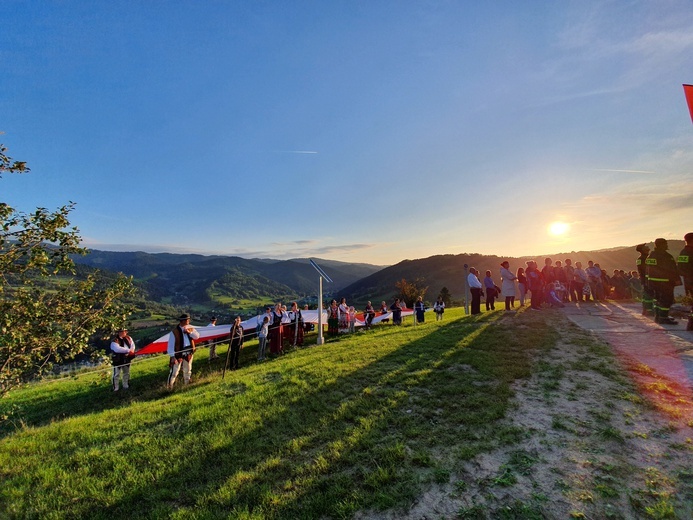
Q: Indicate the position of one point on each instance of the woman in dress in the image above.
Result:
(333, 319)
(419, 309)
(396, 312)
(276, 330)
(507, 285)
(296, 318)
(343, 315)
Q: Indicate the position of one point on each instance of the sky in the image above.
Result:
(361, 131)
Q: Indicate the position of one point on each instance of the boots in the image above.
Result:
(664, 318)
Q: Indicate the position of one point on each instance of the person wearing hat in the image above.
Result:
(685, 266)
(181, 347)
(212, 344)
(123, 348)
(640, 263)
(662, 276)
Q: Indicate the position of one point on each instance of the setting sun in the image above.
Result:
(558, 228)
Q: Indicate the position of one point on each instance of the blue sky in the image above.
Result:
(357, 131)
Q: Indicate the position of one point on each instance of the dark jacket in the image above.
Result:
(661, 268)
(685, 264)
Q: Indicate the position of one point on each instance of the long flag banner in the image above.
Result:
(688, 90)
(250, 326)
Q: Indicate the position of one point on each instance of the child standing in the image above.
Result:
(352, 318)
(262, 338)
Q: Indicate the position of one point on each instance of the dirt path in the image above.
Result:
(608, 432)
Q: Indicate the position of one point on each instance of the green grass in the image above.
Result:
(366, 421)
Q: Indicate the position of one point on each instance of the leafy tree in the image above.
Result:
(446, 296)
(46, 315)
(410, 291)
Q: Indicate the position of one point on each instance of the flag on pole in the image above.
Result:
(688, 90)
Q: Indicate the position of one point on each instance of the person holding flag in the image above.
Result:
(181, 347)
(123, 348)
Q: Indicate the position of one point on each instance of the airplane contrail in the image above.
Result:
(294, 151)
(622, 171)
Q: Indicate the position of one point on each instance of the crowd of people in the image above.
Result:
(560, 282)
(555, 284)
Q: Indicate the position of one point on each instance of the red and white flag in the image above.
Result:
(688, 90)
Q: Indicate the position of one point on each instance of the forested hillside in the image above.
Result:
(183, 280)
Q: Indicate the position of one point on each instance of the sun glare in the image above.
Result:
(558, 228)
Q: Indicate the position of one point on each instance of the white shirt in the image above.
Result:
(171, 350)
(116, 348)
(474, 282)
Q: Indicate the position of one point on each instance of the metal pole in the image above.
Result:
(228, 352)
(466, 290)
(320, 340)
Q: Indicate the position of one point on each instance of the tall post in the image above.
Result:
(322, 274)
(466, 290)
(320, 340)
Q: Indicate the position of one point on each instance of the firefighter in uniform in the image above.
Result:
(662, 276)
(647, 298)
(685, 265)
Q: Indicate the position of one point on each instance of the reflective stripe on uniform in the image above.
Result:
(658, 279)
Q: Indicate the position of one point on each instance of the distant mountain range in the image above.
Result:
(181, 279)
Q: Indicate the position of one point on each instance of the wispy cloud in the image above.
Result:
(276, 251)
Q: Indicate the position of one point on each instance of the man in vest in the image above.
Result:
(647, 298)
(663, 276)
(685, 265)
(181, 347)
(123, 348)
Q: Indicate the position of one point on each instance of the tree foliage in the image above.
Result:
(446, 296)
(46, 315)
(410, 291)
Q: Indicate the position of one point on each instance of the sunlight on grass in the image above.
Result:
(361, 422)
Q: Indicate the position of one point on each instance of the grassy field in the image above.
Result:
(366, 422)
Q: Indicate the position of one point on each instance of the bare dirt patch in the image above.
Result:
(594, 446)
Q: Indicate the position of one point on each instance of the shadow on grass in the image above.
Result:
(369, 439)
(55, 400)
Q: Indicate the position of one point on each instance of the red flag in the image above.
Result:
(688, 90)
